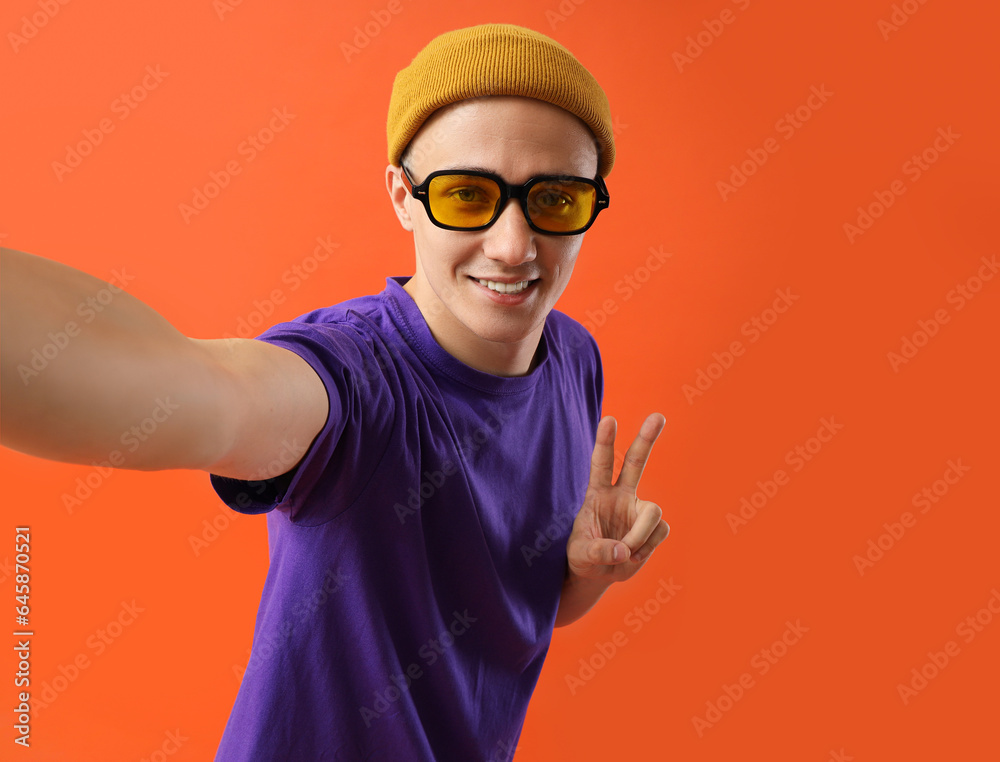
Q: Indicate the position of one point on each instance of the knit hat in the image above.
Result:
(496, 59)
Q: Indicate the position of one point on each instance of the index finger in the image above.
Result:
(638, 452)
(602, 464)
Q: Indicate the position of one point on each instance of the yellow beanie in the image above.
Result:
(495, 59)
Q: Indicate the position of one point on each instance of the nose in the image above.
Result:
(510, 239)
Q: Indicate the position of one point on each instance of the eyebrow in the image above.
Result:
(460, 168)
(466, 168)
(491, 171)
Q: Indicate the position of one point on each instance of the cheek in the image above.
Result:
(439, 252)
(564, 261)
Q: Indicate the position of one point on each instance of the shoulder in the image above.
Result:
(576, 362)
(360, 320)
(569, 340)
(363, 310)
(352, 345)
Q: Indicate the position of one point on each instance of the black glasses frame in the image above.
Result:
(507, 192)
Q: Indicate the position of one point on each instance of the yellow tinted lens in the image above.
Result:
(561, 206)
(463, 201)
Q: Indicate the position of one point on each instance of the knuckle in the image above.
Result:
(651, 510)
(635, 460)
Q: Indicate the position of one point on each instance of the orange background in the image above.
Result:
(835, 693)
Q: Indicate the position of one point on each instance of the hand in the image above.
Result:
(615, 532)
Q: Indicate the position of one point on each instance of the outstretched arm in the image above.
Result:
(78, 383)
(615, 532)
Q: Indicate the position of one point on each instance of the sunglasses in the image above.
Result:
(471, 200)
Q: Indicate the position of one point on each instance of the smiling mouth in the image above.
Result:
(505, 288)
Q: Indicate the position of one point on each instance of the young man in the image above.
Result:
(430, 458)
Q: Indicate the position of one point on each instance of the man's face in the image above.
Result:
(517, 139)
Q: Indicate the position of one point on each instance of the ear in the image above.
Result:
(399, 196)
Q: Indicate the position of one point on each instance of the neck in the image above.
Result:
(499, 358)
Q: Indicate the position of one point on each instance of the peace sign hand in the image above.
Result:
(615, 532)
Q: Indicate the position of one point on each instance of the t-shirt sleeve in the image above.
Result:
(598, 382)
(356, 372)
(583, 357)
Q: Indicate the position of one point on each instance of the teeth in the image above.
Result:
(505, 288)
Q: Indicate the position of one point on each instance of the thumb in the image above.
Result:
(607, 552)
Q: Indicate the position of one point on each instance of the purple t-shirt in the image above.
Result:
(417, 552)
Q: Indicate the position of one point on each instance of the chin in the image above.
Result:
(502, 332)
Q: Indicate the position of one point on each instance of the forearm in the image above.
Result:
(82, 362)
(578, 597)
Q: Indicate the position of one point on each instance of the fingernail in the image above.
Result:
(614, 554)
